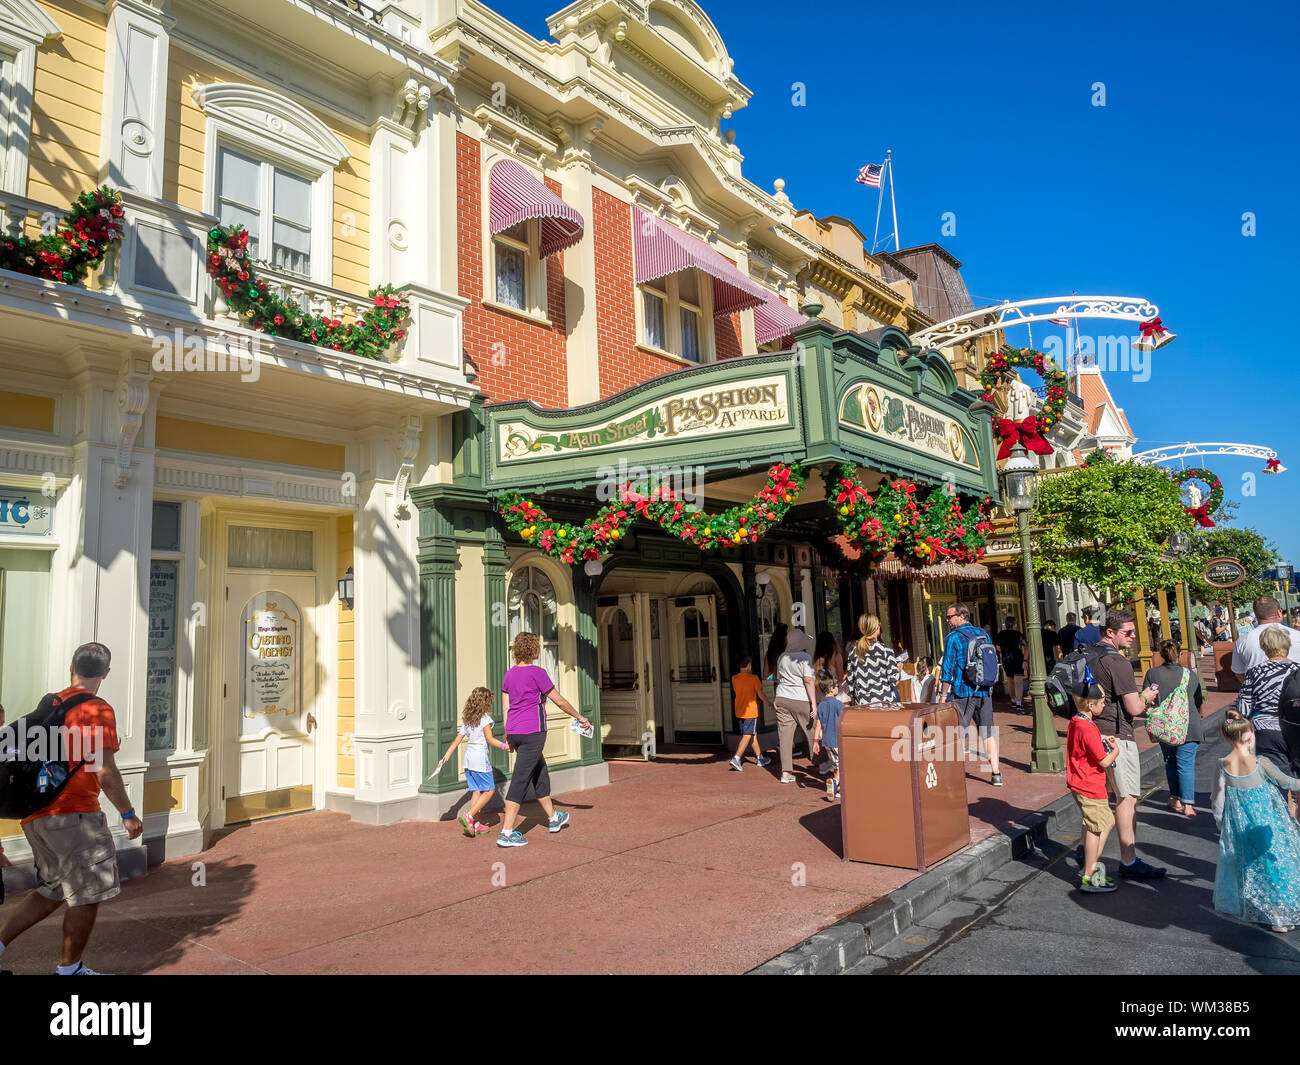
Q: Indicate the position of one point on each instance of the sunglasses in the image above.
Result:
(1127, 632)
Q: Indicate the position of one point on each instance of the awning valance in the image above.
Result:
(774, 319)
(514, 196)
(661, 249)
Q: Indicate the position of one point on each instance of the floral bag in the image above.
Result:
(1167, 723)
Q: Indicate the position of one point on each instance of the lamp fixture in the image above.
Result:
(1020, 480)
(347, 588)
(593, 567)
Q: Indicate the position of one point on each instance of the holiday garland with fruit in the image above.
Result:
(1028, 431)
(369, 336)
(77, 244)
(921, 533)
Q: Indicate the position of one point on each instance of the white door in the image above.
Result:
(269, 694)
(693, 666)
(626, 701)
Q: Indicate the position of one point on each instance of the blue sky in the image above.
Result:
(988, 109)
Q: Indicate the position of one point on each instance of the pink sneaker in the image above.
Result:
(480, 828)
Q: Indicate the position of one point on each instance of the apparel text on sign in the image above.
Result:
(901, 420)
(699, 412)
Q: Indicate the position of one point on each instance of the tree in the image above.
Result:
(1247, 546)
(1108, 525)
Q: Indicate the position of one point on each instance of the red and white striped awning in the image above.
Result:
(660, 249)
(775, 319)
(514, 195)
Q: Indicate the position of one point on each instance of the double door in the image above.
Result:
(659, 668)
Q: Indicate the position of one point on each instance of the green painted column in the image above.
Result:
(584, 602)
(497, 628)
(439, 712)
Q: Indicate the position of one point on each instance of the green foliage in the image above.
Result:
(1245, 545)
(1107, 525)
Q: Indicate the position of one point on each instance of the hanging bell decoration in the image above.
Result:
(1154, 335)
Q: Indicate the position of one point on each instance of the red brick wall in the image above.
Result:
(726, 336)
(622, 364)
(534, 365)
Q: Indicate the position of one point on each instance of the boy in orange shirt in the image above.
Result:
(749, 690)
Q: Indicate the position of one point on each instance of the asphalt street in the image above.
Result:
(1030, 918)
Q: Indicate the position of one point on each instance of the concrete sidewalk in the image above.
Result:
(678, 866)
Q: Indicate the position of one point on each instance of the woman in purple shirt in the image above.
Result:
(527, 687)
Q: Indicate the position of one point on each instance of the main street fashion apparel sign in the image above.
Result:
(901, 420)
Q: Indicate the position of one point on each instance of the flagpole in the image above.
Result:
(880, 200)
(889, 159)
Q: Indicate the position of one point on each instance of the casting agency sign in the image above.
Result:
(1224, 573)
(25, 513)
(759, 404)
(270, 663)
(902, 421)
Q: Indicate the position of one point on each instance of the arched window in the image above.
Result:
(768, 611)
(532, 609)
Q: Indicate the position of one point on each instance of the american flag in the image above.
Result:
(1058, 321)
(870, 175)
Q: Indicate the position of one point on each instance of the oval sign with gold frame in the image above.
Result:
(1224, 573)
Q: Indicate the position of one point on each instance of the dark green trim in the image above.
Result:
(496, 629)
(437, 558)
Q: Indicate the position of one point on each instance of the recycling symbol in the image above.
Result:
(931, 777)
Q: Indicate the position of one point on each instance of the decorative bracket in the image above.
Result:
(133, 394)
(412, 105)
(406, 442)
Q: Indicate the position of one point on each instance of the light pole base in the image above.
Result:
(1048, 761)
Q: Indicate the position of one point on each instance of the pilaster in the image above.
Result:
(437, 560)
(495, 561)
(133, 127)
(584, 602)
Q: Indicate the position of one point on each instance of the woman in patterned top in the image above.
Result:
(872, 667)
(1261, 693)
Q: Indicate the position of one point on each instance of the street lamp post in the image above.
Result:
(1180, 543)
(1284, 572)
(1019, 486)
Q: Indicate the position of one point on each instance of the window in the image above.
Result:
(164, 621)
(511, 247)
(268, 201)
(531, 607)
(250, 547)
(676, 316)
(620, 642)
(24, 27)
(699, 658)
(24, 630)
(7, 108)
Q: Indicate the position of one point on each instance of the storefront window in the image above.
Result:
(696, 633)
(621, 672)
(532, 609)
(164, 619)
(25, 673)
(767, 614)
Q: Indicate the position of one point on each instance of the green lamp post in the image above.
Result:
(1019, 488)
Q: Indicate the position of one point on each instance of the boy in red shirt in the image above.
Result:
(749, 690)
(1088, 753)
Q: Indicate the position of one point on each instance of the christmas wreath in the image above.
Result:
(571, 541)
(369, 336)
(892, 519)
(1028, 431)
(78, 243)
(1209, 506)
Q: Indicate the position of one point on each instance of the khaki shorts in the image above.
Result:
(76, 861)
(1124, 775)
(1096, 814)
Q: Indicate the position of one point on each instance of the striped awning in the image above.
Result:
(775, 319)
(661, 249)
(514, 196)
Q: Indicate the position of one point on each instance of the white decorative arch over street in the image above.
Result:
(1179, 452)
(1024, 312)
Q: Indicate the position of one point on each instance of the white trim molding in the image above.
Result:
(24, 27)
(134, 119)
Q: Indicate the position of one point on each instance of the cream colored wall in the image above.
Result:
(347, 714)
(67, 101)
(183, 165)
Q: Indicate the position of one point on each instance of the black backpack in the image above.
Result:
(29, 784)
(1069, 674)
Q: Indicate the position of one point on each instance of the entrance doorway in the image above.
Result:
(267, 661)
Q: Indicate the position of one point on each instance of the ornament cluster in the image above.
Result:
(78, 242)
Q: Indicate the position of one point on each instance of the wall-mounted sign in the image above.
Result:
(759, 404)
(271, 690)
(160, 678)
(25, 513)
(903, 421)
(1224, 573)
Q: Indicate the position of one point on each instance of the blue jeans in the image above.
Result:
(1180, 770)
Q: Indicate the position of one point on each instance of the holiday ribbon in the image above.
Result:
(1201, 514)
(1023, 432)
(1149, 329)
(1272, 465)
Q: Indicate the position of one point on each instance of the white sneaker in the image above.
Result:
(736, 765)
(787, 778)
(82, 970)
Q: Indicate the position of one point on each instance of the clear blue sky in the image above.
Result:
(988, 109)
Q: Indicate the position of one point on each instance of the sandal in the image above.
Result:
(1176, 805)
(1189, 811)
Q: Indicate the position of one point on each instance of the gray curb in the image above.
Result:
(845, 943)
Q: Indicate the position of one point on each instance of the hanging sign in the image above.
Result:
(762, 403)
(902, 421)
(271, 689)
(1224, 573)
(25, 513)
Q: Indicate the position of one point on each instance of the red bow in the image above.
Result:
(1152, 327)
(1201, 514)
(1023, 432)
(1273, 464)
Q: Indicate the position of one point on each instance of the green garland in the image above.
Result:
(1057, 384)
(79, 243)
(370, 336)
(892, 520)
(572, 541)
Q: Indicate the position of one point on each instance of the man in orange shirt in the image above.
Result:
(72, 846)
(749, 690)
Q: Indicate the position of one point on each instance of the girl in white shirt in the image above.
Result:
(476, 731)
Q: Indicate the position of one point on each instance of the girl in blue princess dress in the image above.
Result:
(1258, 878)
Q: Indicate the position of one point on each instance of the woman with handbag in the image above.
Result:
(1166, 721)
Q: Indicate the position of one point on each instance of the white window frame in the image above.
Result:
(239, 117)
(24, 27)
(266, 196)
(669, 288)
(534, 271)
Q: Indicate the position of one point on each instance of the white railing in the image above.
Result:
(313, 297)
(19, 211)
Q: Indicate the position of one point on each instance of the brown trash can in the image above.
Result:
(903, 779)
(1224, 678)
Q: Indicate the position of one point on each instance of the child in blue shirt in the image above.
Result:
(826, 736)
